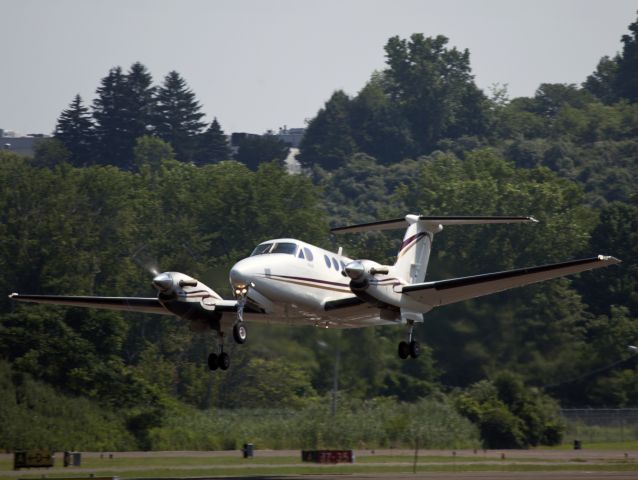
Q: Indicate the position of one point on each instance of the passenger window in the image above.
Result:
(301, 255)
(325, 257)
(336, 264)
(308, 254)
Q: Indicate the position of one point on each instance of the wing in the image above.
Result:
(444, 292)
(128, 304)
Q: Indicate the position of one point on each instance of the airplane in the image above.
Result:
(289, 281)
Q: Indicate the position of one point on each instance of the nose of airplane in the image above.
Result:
(239, 274)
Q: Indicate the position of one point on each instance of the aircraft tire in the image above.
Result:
(404, 350)
(415, 349)
(223, 361)
(240, 333)
(213, 361)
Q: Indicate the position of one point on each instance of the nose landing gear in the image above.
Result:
(411, 348)
(221, 360)
(240, 333)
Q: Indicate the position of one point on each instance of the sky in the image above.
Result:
(257, 65)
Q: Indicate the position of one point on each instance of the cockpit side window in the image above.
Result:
(289, 248)
(261, 249)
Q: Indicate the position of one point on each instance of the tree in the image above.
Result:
(434, 88)
(113, 144)
(151, 151)
(50, 152)
(213, 145)
(178, 116)
(328, 140)
(602, 82)
(627, 74)
(75, 130)
(140, 101)
(616, 234)
(377, 125)
(254, 150)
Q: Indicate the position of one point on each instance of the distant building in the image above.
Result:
(291, 136)
(25, 146)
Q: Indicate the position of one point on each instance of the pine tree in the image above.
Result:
(213, 145)
(178, 117)
(140, 101)
(75, 130)
(111, 120)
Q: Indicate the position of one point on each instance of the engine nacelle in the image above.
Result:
(373, 283)
(189, 299)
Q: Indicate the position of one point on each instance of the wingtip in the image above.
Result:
(13, 295)
(532, 219)
(609, 258)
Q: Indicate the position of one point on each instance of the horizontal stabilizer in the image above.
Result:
(455, 220)
(444, 292)
(128, 304)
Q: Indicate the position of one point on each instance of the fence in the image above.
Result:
(597, 425)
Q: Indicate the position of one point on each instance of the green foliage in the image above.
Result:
(254, 150)
(178, 116)
(328, 139)
(75, 130)
(34, 415)
(213, 145)
(150, 152)
(510, 415)
(419, 137)
(376, 423)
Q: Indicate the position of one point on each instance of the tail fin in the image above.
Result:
(414, 253)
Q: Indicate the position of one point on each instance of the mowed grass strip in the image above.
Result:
(182, 471)
(89, 462)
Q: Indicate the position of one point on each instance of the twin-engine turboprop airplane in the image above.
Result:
(293, 282)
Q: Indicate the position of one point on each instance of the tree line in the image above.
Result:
(128, 107)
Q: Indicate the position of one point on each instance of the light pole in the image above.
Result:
(335, 379)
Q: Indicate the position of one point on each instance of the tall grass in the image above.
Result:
(379, 423)
(34, 415)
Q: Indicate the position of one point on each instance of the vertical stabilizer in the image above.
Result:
(414, 253)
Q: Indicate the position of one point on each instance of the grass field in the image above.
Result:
(208, 464)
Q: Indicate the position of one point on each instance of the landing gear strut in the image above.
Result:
(221, 360)
(411, 348)
(240, 334)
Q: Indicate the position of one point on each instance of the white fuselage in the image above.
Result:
(293, 280)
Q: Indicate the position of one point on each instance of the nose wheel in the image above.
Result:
(411, 348)
(240, 333)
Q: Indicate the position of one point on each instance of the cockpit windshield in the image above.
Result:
(277, 247)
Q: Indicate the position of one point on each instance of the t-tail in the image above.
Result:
(414, 254)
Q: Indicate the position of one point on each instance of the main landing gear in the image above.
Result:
(411, 348)
(221, 360)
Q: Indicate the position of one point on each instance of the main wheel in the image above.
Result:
(404, 350)
(223, 361)
(240, 334)
(415, 349)
(212, 361)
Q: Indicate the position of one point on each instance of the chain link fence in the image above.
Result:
(597, 425)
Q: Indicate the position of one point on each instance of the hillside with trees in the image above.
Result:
(138, 181)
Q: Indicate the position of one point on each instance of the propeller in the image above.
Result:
(146, 261)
